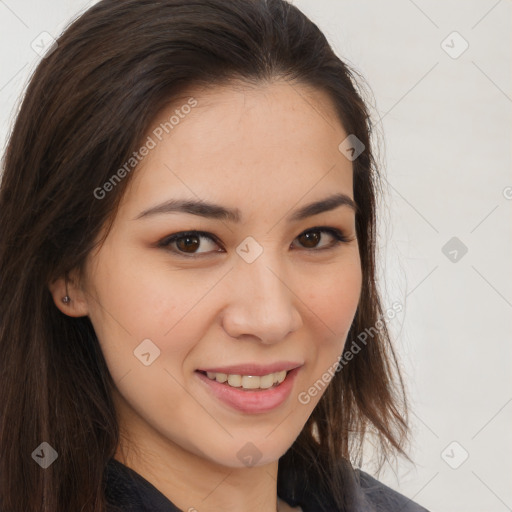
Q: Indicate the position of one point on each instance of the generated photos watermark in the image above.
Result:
(304, 397)
(137, 156)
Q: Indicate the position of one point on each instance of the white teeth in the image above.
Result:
(219, 377)
(235, 380)
(267, 381)
(249, 381)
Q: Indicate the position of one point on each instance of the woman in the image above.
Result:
(190, 319)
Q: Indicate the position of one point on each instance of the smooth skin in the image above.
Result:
(266, 150)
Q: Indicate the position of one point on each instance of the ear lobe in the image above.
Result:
(68, 297)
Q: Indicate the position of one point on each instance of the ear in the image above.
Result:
(64, 286)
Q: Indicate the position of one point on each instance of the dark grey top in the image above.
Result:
(127, 491)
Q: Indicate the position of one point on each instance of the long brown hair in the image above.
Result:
(85, 111)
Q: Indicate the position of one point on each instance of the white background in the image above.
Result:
(445, 129)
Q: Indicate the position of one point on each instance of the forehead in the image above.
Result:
(269, 139)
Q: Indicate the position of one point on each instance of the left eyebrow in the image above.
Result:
(325, 205)
(215, 211)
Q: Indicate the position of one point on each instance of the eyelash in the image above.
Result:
(338, 236)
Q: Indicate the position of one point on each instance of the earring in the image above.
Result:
(66, 299)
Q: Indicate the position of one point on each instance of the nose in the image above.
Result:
(261, 303)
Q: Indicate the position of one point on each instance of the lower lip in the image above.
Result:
(251, 401)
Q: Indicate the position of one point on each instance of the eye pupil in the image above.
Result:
(185, 243)
(310, 236)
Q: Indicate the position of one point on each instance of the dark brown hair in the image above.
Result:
(87, 107)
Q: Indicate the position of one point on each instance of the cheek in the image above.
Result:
(143, 298)
(334, 297)
(332, 309)
(147, 324)
(138, 301)
(332, 304)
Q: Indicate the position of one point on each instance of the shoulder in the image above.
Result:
(383, 498)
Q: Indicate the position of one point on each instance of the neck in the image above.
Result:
(208, 487)
(194, 483)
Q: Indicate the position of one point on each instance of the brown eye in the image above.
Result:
(189, 243)
(309, 239)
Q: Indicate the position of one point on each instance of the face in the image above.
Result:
(255, 296)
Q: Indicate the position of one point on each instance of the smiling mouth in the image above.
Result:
(248, 382)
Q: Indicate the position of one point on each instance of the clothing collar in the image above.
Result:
(128, 490)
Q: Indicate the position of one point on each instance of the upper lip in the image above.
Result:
(253, 369)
